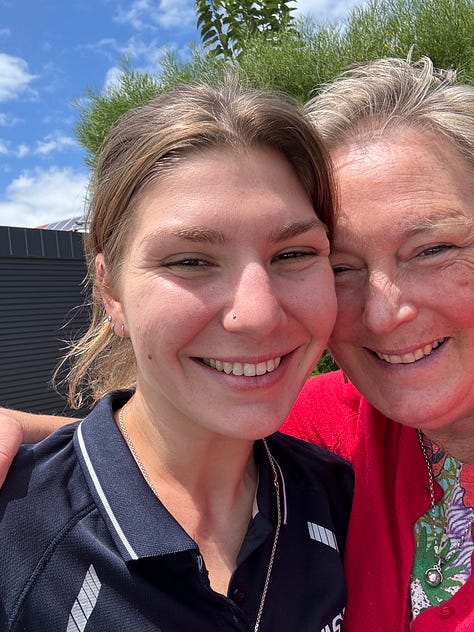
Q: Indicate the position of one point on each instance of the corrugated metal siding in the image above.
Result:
(40, 292)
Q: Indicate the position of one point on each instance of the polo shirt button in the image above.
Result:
(445, 612)
(239, 595)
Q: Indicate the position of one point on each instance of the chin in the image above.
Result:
(417, 416)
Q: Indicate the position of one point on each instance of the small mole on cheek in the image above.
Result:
(150, 356)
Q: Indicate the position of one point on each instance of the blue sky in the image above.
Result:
(51, 51)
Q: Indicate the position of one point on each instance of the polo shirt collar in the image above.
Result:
(139, 523)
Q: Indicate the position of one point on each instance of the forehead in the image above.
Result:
(403, 181)
(222, 187)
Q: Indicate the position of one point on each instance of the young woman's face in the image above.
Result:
(403, 258)
(227, 292)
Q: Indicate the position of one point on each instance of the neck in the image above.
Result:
(207, 483)
(202, 464)
(457, 439)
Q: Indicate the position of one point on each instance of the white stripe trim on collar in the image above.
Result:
(102, 496)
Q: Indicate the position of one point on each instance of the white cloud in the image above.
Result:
(14, 77)
(112, 78)
(133, 16)
(147, 53)
(169, 14)
(8, 120)
(42, 196)
(22, 151)
(326, 9)
(54, 143)
(176, 13)
(107, 46)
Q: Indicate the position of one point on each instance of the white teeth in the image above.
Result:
(413, 356)
(261, 368)
(419, 353)
(243, 368)
(238, 368)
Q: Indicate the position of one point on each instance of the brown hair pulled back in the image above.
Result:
(141, 149)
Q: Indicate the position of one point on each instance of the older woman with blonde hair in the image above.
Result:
(401, 136)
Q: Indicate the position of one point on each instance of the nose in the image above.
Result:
(254, 307)
(387, 305)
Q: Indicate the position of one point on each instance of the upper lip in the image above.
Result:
(407, 356)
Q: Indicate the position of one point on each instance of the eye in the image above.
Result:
(344, 268)
(340, 269)
(435, 250)
(290, 255)
(188, 262)
(297, 259)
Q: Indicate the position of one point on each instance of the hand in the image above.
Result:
(11, 437)
(17, 427)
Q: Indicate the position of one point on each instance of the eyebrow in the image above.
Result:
(293, 229)
(200, 234)
(435, 220)
(197, 234)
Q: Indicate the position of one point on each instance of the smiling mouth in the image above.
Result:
(413, 356)
(247, 369)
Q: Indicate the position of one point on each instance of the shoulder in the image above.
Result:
(318, 485)
(307, 462)
(43, 473)
(41, 468)
(326, 413)
(42, 501)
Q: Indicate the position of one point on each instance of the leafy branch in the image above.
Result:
(226, 25)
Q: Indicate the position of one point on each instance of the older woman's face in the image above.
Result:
(227, 292)
(403, 258)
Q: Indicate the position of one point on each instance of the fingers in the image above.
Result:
(11, 437)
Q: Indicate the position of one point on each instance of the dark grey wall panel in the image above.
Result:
(41, 294)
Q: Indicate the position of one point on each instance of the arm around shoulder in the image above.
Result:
(11, 437)
(17, 427)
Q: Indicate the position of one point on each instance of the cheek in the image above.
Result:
(161, 325)
(349, 310)
(459, 299)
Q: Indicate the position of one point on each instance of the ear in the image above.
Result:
(110, 300)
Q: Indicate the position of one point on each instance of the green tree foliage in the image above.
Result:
(326, 364)
(225, 25)
(98, 112)
(300, 61)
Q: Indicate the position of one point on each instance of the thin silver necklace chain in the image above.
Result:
(276, 485)
(434, 575)
(275, 539)
(134, 452)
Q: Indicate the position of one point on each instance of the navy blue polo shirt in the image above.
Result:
(86, 545)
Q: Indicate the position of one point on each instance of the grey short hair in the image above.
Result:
(388, 93)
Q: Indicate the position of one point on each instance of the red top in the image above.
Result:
(391, 493)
